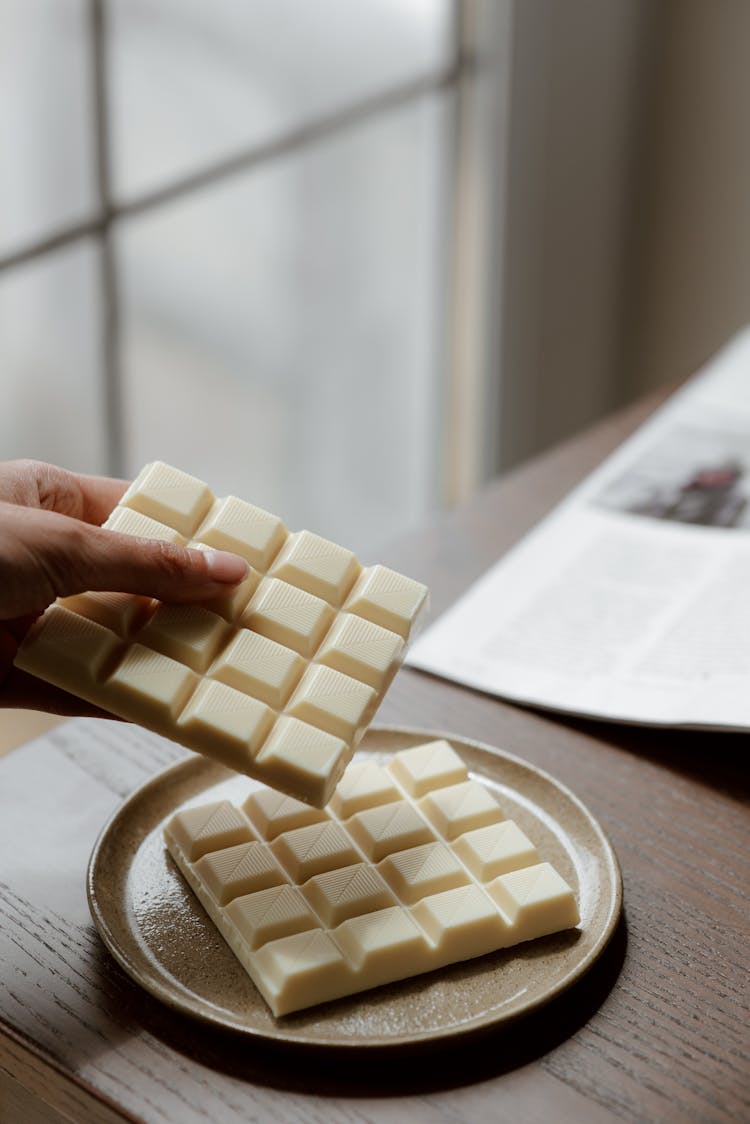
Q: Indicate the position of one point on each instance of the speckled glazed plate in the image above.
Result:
(154, 926)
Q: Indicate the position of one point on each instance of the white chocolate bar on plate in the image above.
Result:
(278, 678)
(411, 867)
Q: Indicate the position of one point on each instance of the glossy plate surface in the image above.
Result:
(158, 932)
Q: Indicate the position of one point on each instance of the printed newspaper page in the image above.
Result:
(631, 601)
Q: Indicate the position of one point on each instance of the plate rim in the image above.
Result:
(425, 1038)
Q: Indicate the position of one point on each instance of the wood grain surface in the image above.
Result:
(658, 1030)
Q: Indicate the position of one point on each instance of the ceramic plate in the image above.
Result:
(154, 926)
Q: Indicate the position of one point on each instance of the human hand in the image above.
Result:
(52, 545)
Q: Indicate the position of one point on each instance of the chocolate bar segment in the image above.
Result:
(274, 678)
(312, 909)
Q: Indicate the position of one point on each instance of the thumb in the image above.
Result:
(70, 556)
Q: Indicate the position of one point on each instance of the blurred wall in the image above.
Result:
(270, 220)
(626, 248)
(691, 288)
(579, 76)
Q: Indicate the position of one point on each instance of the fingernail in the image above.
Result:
(224, 567)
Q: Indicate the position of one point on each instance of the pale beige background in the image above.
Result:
(19, 726)
(692, 285)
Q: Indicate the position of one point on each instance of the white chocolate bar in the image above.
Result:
(278, 678)
(321, 903)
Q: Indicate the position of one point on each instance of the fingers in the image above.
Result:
(44, 555)
(30, 483)
(80, 558)
(52, 545)
(99, 495)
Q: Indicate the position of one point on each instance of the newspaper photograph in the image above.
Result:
(631, 600)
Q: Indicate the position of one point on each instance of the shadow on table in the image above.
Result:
(717, 758)
(386, 1072)
(714, 758)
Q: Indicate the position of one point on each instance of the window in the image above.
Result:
(227, 242)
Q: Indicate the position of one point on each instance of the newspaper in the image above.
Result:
(631, 601)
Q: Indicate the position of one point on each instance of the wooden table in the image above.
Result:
(656, 1032)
